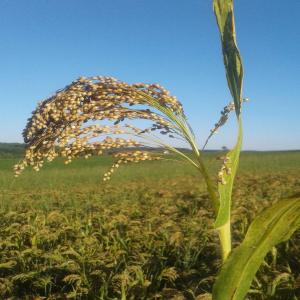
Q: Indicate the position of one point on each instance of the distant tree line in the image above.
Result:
(10, 150)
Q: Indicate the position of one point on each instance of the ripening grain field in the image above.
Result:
(146, 234)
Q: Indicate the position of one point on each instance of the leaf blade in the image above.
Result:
(274, 225)
(225, 189)
(232, 59)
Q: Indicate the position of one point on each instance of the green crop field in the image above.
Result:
(146, 234)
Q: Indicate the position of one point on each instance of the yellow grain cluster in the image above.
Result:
(64, 124)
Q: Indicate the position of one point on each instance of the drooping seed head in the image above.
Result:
(61, 125)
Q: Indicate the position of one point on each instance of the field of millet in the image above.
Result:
(146, 234)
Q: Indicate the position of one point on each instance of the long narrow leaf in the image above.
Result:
(225, 185)
(274, 225)
(232, 60)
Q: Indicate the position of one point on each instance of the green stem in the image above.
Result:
(183, 127)
(225, 240)
(210, 186)
(224, 231)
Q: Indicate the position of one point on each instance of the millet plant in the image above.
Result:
(66, 124)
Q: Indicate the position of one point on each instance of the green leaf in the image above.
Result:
(232, 60)
(274, 225)
(226, 179)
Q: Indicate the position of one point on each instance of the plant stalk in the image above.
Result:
(225, 230)
(225, 240)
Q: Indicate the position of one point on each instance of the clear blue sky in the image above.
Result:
(45, 44)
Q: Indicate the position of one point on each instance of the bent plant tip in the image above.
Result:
(66, 124)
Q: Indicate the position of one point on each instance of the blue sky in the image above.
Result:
(45, 44)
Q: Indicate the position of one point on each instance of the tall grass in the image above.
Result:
(154, 233)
